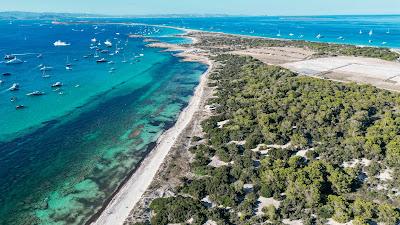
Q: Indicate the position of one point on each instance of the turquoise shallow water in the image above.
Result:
(63, 155)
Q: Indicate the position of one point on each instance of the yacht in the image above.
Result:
(291, 34)
(14, 87)
(57, 84)
(102, 60)
(341, 38)
(93, 40)
(14, 61)
(68, 67)
(35, 93)
(60, 43)
(108, 43)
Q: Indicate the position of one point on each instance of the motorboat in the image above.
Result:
(370, 33)
(14, 61)
(102, 60)
(35, 93)
(19, 107)
(14, 87)
(9, 57)
(6, 74)
(57, 84)
(93, 40)
(108, 43)
(319, 36)
(60, 43)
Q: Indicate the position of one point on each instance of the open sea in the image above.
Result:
(63, 154)
(374, 30)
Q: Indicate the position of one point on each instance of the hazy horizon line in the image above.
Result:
(196, 14)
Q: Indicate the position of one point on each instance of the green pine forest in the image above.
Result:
(332, 123)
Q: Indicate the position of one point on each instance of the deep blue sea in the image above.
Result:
(385, 30)
(66, 151)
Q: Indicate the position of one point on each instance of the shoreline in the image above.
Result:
(118, 208)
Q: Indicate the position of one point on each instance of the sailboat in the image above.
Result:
(68, 66)
(44, 75)
(279, 34)
(388, 31)
(370, 33)
(361, 32)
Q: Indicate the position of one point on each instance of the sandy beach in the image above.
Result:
(131, 192)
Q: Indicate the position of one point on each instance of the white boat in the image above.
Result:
(384, 43)
(60, 43)
(361, 32)
(44, 75)
(341, 38)
(14, 61)
(102, 60)
(370, 33)
(388, 31)
(35, 93)
(93, 40)
(301, 36)
(291, 34)
(370, 41)
(278, 34)
(68, 67)
(108, 43)
(46, 68)
(14, 87)
(57, 84)
(319, 36)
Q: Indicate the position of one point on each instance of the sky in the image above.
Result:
(233, 7)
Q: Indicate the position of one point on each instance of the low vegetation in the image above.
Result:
(224, 43)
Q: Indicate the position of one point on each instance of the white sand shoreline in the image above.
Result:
(119, 208)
